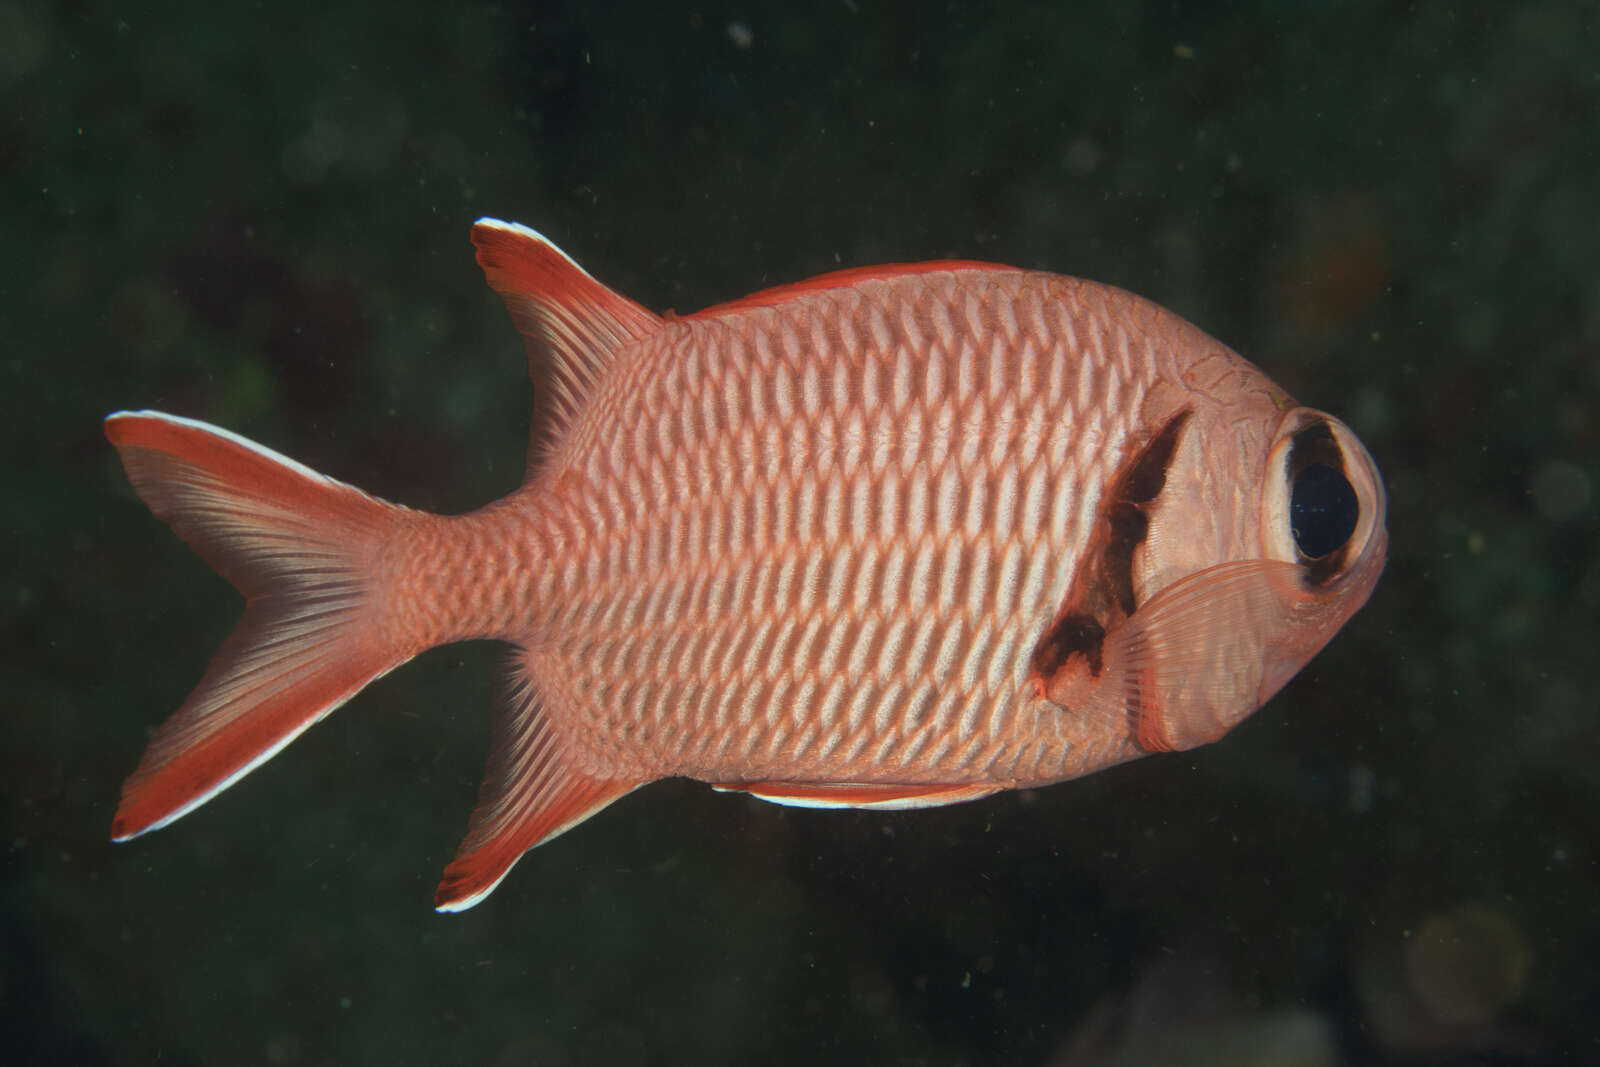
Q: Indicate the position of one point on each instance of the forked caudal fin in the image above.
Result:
(302, 549)
(324, 616)
(320, 622)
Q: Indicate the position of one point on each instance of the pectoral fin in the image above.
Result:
(1188, 664)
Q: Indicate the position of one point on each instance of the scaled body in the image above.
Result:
(887, 538)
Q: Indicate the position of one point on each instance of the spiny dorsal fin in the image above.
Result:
(571, 324)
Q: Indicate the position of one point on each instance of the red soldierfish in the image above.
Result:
(888, 538)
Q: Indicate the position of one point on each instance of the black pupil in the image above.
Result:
(1322, 510)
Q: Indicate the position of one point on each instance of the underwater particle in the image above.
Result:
(1467, 963)
(740, 34)
(145, 316)
(617, 1042)
(66, 271)
(871, 993)
(283, 1048)
(373, 125)
(1590, 323)
(1082, 157)
(24, 40)
(306, 159)
(1560, 490)
(1371, 410)
(1363, 786)
(1337, 266)
(1589, 587)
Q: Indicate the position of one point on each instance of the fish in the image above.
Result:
(889, 538)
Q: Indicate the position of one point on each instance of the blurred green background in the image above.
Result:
(257, 215)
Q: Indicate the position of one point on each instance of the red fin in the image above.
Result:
(570, 323)
(880, 796)
(530, 794)
(299, 547)
(839, 278)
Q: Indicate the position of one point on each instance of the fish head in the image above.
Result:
(1268, 537)
(1264, 536)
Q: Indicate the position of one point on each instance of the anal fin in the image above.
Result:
(876, 796)
(530, 794)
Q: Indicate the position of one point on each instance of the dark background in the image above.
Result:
(257, 215)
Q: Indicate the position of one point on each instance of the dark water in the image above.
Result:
(259, 218)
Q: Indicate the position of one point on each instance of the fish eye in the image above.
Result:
(1323, 510)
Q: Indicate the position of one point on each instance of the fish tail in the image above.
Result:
(304, 550)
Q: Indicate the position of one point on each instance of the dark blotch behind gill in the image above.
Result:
(1070, 635)
(1128, 529)
(1143, 482)
(1139, 484)
(1105, 595)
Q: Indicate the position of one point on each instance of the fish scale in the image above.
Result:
(892, 537)
(948, 527)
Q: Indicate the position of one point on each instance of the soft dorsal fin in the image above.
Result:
(839, 279)
(571, 324)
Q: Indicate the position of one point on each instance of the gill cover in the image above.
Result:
(1205, 650)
